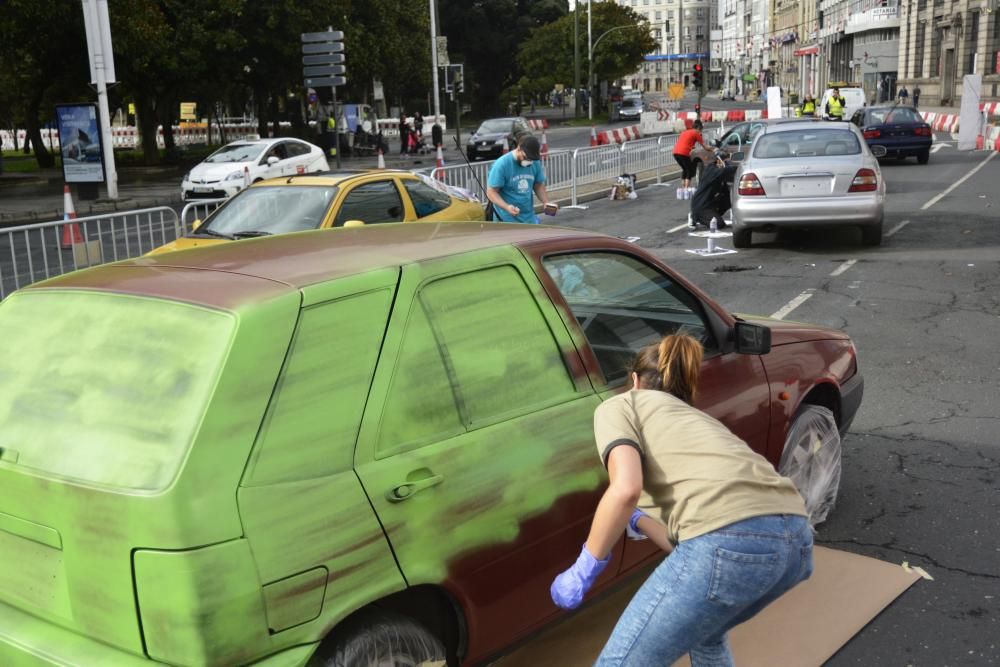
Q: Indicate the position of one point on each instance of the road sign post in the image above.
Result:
(323, 65)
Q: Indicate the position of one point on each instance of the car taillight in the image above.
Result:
(872, 134)
(864, 181)
(750, 186)
(924, 131)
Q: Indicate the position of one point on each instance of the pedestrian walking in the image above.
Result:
(515, 179)
(418, 123)
(682, 152)
(835, 105)
(916, 96)
(736, 531)
(903, 94)
(404, 132)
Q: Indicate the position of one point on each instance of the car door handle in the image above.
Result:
(402, 492)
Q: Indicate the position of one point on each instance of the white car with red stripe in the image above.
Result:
(805, 175)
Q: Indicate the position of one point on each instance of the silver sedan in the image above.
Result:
(808, 174)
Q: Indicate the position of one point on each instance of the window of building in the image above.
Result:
(972, 39)
(993, 52)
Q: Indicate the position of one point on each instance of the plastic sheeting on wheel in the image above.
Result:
(812, 460)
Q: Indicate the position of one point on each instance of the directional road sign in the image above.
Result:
(323, 47)
(324, 70)
(325, 36)
(328, 59)
(329, 81)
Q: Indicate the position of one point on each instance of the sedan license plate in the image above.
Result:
(202, 188)
(805, 187)
(486, 147)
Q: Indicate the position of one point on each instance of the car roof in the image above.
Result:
(230, 275)
(789, 125)
(264, 142)
(328, 178)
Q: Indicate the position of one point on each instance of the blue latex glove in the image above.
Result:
(632, 529)
(569, 587)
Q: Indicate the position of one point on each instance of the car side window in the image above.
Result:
(426, 200)
(296, 149)
(733, 138)
(312, 422)
(754, 130)
(371, 203)
(623, 304)
(278, 150)
(476, 347)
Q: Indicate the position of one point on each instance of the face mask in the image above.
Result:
(526, 163)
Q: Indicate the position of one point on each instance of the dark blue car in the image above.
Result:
(899, 128)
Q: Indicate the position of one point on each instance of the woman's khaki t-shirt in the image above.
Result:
(697, 475)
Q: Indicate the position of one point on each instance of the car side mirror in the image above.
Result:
(752, 338)
(879, 151)
(273, 160)
(196, 224)
(354, 223)
(738, 156)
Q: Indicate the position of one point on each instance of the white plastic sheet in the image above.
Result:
(812, 459)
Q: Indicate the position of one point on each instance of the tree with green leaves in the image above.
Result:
(621, 36)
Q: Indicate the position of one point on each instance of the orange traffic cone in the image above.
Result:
(440, 163)
(545, 145)
(381, 159)
(593, 136)
(71, 232)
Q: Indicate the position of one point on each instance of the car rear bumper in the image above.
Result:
(908, 147)
(866, 208)
(851, 393)
(27, 640)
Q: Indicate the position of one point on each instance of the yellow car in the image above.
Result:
(322, 201)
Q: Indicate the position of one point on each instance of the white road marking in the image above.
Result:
(792, 305)
(677, 228)
(957, 183)
(895, 229)
(936, 147)
(843, 267)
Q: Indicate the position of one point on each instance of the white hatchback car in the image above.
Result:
(240, 163)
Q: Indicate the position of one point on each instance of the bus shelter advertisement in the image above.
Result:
(80, 139)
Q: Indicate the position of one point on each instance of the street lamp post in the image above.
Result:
(590, 63)
(434, 63)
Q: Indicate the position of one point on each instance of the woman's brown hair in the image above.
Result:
(672, 365)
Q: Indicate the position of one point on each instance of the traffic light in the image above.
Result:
(696, 78)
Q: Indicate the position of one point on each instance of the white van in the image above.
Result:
(854, 97)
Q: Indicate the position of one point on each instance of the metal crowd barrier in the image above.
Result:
(30, 253)
(35, 252)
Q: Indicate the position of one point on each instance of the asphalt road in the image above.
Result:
(921, 464)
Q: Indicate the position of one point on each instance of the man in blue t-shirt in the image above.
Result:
(513, 181)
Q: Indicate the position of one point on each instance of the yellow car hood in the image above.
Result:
(184, 243)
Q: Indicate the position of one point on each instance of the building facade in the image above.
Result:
(682, 30)
(941, 41)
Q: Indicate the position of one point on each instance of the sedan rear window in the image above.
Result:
(893, 116)
(106, 389)
(806, 143)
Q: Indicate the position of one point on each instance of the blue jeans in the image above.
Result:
(708, 585)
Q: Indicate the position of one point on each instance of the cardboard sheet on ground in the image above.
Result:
(805, 627)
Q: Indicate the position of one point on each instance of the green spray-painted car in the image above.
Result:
(372, 446)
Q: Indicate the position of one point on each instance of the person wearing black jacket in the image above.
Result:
(712, 198)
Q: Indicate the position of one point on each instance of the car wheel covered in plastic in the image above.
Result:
(811, 459)
(381, 639)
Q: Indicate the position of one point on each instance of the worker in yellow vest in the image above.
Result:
(835, 105)
(809, 106)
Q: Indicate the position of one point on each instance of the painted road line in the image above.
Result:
(937, 147)
(895, 229)
(677, 228)
(843, 267)
(957, 183)
(793, 304)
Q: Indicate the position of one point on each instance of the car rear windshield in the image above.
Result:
(106, 389)
(893, 116)
(806, 143)
(236, 153)
(266, 210)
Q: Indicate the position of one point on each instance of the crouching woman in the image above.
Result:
(736, 529)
